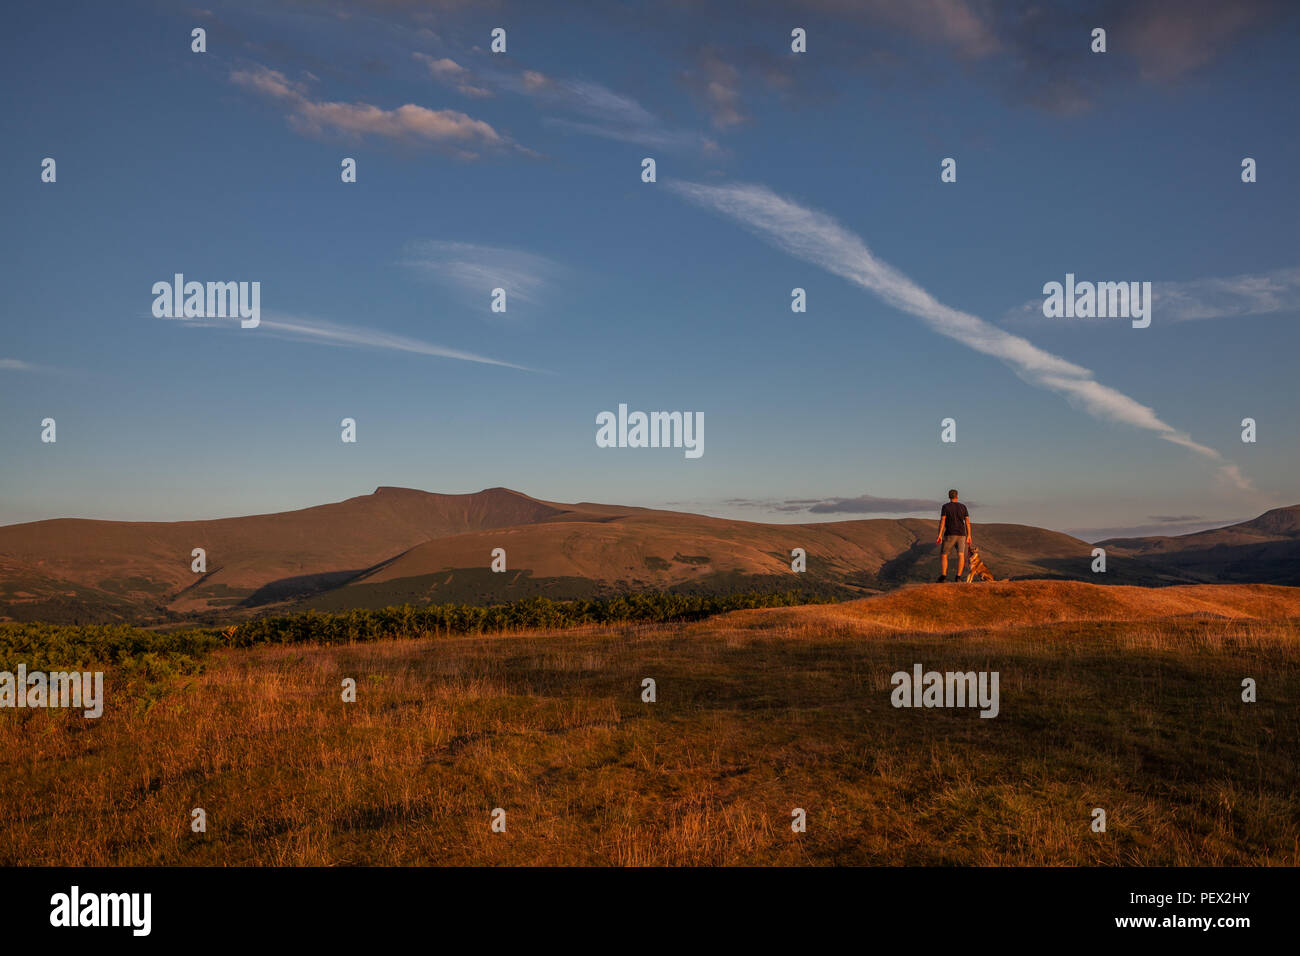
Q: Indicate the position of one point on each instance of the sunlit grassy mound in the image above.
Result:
(950, 608)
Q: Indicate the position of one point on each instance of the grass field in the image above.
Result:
(1124, 702)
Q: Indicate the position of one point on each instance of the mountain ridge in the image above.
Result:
(406, 545)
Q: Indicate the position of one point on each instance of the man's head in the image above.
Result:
(952, 494)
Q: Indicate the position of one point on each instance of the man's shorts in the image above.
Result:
(953, 542)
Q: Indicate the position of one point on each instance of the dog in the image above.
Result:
(977, 567)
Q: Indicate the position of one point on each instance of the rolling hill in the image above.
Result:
(400, 545)
(1264, 550)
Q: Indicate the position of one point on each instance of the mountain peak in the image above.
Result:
(1280, 521)
(496, 491)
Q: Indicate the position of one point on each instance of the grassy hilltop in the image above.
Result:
(1123, 698)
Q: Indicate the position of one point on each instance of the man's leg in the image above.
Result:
(943, 563)
(961, 556)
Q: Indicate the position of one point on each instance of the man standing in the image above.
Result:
(954, 535)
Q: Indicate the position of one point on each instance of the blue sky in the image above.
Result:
(775, 170)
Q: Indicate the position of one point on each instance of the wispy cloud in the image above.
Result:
(819, 239)
(1029, 51)
(956, 23)
(330, 333)
(859, 505)
(322, 332)
(609, 114)
(653, 137)
(590, 99)
(1179, 36)
(716, 83)
(451, 129)
(17, 365)
(1265, 293)
(592, 109)
(1161, 528)
(869, 505)
(448, 71)
(475, 270)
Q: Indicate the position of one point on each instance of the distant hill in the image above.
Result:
(400, 545)
(73, 568)
(1263, 550)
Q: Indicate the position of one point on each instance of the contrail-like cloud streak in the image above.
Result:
(329, 333)
(297, 328)
(819, 239)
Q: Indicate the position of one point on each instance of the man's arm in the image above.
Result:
(970, 536)
(942, 519)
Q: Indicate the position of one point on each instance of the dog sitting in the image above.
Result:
(977, 567)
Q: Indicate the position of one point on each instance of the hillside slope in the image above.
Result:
(1264, 549)
(400, 545)
(610, 552)
(123, 569)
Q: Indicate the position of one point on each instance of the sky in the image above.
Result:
(774, 170)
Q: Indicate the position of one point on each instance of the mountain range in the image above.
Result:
(400, 545)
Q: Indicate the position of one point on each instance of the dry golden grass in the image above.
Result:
(758, 712)
(939, 609)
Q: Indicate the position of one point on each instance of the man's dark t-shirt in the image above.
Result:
(956, 514)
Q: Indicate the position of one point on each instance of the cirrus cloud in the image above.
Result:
(817, 238)
(451, 129)
(475, 269)
(858, 505)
